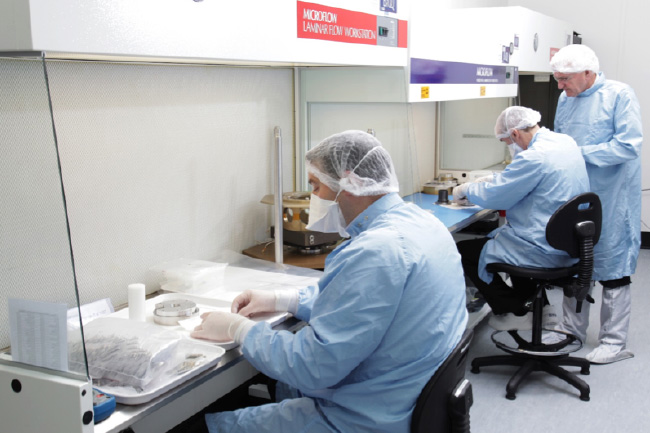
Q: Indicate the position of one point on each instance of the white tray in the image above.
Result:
(131, 396)
(212, 351)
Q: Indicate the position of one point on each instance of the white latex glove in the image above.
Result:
(488, 178)
(460, 194)
(254, 302)
(222, 327)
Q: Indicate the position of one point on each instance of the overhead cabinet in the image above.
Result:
(453, 54)
(335, 32)
(478, 52)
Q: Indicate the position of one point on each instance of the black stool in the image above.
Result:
(574, 228)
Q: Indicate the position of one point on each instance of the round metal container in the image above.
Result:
(170, 312)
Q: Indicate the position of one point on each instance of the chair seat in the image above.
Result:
(543, 274)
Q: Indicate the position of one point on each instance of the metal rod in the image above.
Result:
(279, 251)
(65, 210)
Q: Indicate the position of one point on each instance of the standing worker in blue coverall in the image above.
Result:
(604, 118)
(388, 310)
(546, 171)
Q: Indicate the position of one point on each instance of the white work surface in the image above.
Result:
(181, 402)
(212, 352)
(167, 410)
(173, 407)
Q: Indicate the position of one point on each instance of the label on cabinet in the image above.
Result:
(317, 21)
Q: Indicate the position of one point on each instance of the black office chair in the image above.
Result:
(443, 405)
(574, 228)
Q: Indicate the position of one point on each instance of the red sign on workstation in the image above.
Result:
(341, 25)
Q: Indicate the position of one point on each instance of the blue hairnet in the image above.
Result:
(353, 161)
(515, 117)
(575, 58)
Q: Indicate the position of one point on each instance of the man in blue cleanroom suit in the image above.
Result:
(388, 310)
(547, 170)
(604, 118)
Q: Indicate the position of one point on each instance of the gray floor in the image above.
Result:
(546, 404)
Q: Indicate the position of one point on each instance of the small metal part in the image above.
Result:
(168, 313)
(191, 361)
(310, 250)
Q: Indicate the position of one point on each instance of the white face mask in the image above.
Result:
(514, 149)
(325, 216)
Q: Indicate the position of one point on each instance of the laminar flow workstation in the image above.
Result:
(126, 145)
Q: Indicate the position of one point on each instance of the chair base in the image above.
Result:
(527, 364)
(532, 343)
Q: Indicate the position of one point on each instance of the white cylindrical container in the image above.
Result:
(137, 302)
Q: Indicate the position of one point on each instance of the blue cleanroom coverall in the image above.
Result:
(531, 188)
(605, 121)
(388, 310)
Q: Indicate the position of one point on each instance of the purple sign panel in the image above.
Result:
(388, 6)
(425, 71)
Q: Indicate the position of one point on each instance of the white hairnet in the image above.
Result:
(575, 58)
(353, 161)
(515, 118)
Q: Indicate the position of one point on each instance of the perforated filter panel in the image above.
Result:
(159, 162)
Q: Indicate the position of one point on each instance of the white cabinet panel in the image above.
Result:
(353, 32)
(478, 52)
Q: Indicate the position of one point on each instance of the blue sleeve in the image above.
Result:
(625, 144)
(508, 187)
(357, 301)
(306, 298)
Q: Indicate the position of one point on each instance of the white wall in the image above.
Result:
(617, 32)
(391, 123)
(336, 99)
(159, 162)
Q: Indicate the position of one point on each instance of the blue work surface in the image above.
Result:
(454, 219)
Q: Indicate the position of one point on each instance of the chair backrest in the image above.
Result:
(568, 224)
(575, 228)
(432, 411)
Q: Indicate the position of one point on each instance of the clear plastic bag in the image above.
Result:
(190, 276)
(124, 352)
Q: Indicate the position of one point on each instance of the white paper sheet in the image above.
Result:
(38, 333)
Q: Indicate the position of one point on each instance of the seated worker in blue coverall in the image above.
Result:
(547, 170)
(388, 310)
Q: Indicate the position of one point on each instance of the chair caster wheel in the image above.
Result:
(584, 371)
(510, 396)
(475, 370)
(584, 397)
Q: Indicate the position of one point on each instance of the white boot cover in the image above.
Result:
(614, 324)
